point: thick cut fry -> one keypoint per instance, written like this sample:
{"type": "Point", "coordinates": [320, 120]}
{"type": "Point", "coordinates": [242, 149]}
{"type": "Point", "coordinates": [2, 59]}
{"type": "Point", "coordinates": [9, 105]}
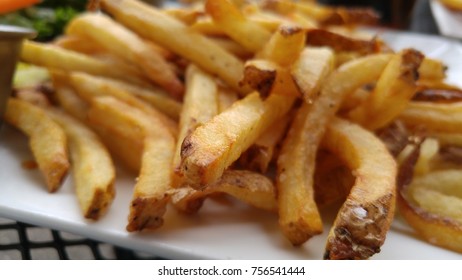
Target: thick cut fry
{"type": "Point", "coordinates": [47, 140]}
{"type": "Point", "coordinates": [312, 67]}
{"type": "Point", "coordinates": [261, 153]}
{"type": "Point", "coordinates": [200, 105]}
{"type": "Point", "coordinates": [127, 45]}
{"type": "Point", "coordinates": [88, 87]}
{"type": "Point", "coordinates": [213, 147]}
{"type": "Point", "coordinates": [67, 98]}
{"type": "Point", "coordinates": [298, 215]}
{"type": "Point", "coordinates": [432, 205]}
{"type": "Point", "coordinates": [151, 23]}
{"type": "Point", "coordinates": [54, 57]}
{"type": "Point", "coordinates": [432, 70]}
{"type": "Point", "coordinates": [230, 19]}
{"type": "Point", "coordinates": [252, 188]}
{"type": "Point", "coordinates": [364, 219]}
{"type": "Point", "coordinates": [299, 218]}
{"type": "Point", "coordinates": [393, 91]}
{"type": "Point", "coordinates": [150, 197]}
{"type": "Point", "coordinates": [341, 43]}
{"type": "Point", "coordinates": [93, 170]}
{"type": "Point", "coordinates": [435, 117]}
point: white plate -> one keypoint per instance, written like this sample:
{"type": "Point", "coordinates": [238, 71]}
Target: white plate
{"type": "Point", "coordinates": [218, 231]}
{"type": "Point", "coordinates": [449, 21]}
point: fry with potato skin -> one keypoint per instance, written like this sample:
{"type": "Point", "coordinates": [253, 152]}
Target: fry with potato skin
{"type": "Point", "coordinates": [127, 45]}
{"type": "Point", "coordinates": [230, 19]}
{"type": "Point", "coordinates": [199, 106]}
{"type": "Point", "coordinates": [151, 23]}
{"type": "Point", "coordinates": [214, 146]}
{"type": "Point", "coordinates": [252, 188]}
{"type": "Point", "coordinates": [93, 170]}
{"type": "Point", "coordinates": [57, 58]}
{"type": "Point", "coordinates": [47, 140]}
{"type": "Point", "coordinates": [362, 222]}
{"type": "Point", "coordinates": [393, 91]}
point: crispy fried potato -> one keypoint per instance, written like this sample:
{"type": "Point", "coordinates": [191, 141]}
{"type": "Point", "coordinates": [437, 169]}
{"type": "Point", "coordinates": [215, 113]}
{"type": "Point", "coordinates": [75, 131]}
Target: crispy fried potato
{"type": "Point", "coordinates": [252, 188]}
{"type": "Point", "coordinates": [127, 45]}
{"type": "Point", "coordinates": [92, 167]}
{"type": "Point", "coordinates": [57, 58]}
{"type": "Point", "coordinates": [432, 70]}
{"type": "Point", "coordinates": [67, 97]}
{"type": "Point", "coordinates": [341, 43]}
{"type": "Point", "coordinates": [88, 87]}
{"type": "Point", "coordinates": [259, 156]}
{"type": "Point", "coordinates": [151, 23]}
{"type": "Point", "coordinates": [80, 44]}
{"type": "Point", "coordinates": [230, 19]}
{"type": "Point", "coordinates": [432, 205]}
{"type": "Point", "coordinates": [150, 197]}
{"type": "Point", "coordinates": [47, 140]}
{"type": "Point", "coordinates": [312, 67]}
{"type": "Point", "coordinates": [298, 215]}
{"type": "Point", "coordinates": [199, 106]}
{"type": "Point", "coordinates": [393, 91]}
{"type": "Point", "coordinates": [213, 147]}
{"type": "Point", "coordinates": [437, 117]}
{"type": "Point", "coordinates": [361, 225]}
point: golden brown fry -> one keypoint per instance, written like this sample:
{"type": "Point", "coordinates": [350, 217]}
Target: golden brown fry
{"type": "Point", "coordinates": [200, 105]}
{"type": "Point", "coordinates": [47, 140]}
{"type": "Point", "coordinates": [213, 147]}
{"type": "Point", "coordinates": [261, 153]}
{"type": "Point", "coordinates": [432, 70]}
{"type": "Point", "coordinates": [57, 58]}
{"type": "Point", "coordinates": [88, 87]}
{"type": "Point", "coordinates": [341, 43]}
{"type": "Point", "coordinates": [432, 205]}
{"type": "Point", "coordinates": [80, 44]}
{"type": "Point", "coordinates": [93, 170]}
{"type": "Point", "coordinates": [127, 45]}
{"type": "Point", "coordinates": [312, 67]}
{"type": "Point", "coordinates": [437, 117]}
{"type": "Point", "coordinates": [252, 188]}
{"type": "Point", "coordinates": [231, 20]}
{"type": "Point", "coordinates": [393, 91]}
{"type": "Point", "coordinates": [150, 194]}
{"type": "Point", "coordinates": [362, 222]}
{"type": "Point", "coordinates": [150, 197]}
{"type": "Point", "coordinates": [151, 23]}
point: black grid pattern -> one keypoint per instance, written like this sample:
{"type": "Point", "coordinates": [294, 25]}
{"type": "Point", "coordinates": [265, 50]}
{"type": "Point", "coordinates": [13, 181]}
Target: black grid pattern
{"type": "Point", "coordinates": [27, 242]}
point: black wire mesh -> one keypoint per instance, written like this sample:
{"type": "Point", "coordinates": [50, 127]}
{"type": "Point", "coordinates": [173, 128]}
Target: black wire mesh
{"type": "Point", "coordinates": [27, 242]}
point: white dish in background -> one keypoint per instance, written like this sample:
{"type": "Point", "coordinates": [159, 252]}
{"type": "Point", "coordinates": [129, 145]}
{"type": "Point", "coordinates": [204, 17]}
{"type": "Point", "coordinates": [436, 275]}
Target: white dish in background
{"type": "Point", "coordinates": [449, 21]}
{"type": "Point", "coordinates": [218, 231]}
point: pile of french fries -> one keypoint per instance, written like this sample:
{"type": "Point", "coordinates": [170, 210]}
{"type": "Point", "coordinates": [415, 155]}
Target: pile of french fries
{"type": "Point", "coordinates": [281, 104]}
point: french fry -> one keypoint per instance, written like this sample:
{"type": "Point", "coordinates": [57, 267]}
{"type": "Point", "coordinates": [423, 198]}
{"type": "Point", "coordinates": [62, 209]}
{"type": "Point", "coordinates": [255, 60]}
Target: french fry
{"type": "Point", "coordinates": [438, 117]}
{"type": "Point", "coordinates": [150, 197]}
{"type": "Point", "coordinates": [67, 98]}
{"type": "Point", "coordinates": [93, 170]}
{"type": "Point", "coordinates": [57, 58]}
{"type": "Point", "coordinates": [199, 106]}
{"type": "Point", "coordinates": [362, 222]}
{"type": "Point", "coordinates": [432, 70]}
{"type": "Point", "coordinates": [261, 153]}
{"type": "Point", "coordinates": [252, 188]}
{"type": "Point", "coordinates": [432, 204]}
{"type": "Point", "coordinates": [151, 23]}
{"type": "Point", "coordinates": [78, 44]}
{"type": "Point", "coordinates": [299, 218]}
{"type": "Point", "coordinates": [88, 87]}
{"type": "Point", "coordinates": [47, 140]}
{"type": "Point", "coordinates": [231, 20]}
{"type": "Point", "coordinates": [214, 146]}
{"type": "Point", "coordinates": [393, 91]}
{"type": "Point", "coordinates": [313, 66]}
{"type": "Point", "coordinates": [127, 45]}
{"type": "Point", "coordinates": [226, 98]}
{"type": "Point", "coordinates": [341, 43]}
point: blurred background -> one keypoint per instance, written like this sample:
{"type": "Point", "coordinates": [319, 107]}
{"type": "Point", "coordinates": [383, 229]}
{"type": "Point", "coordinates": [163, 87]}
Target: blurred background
{"type": "Point", "coordinates": [50, 16]}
